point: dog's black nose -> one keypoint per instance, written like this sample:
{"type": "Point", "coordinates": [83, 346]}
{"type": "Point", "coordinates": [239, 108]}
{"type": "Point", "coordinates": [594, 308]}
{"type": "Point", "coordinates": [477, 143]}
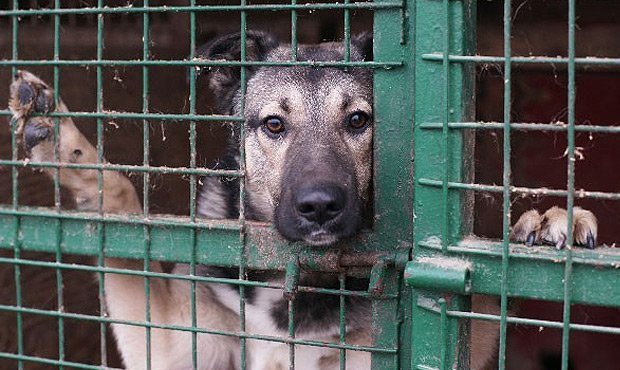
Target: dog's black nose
{"type": "Point", "coordinates": [320, 204]}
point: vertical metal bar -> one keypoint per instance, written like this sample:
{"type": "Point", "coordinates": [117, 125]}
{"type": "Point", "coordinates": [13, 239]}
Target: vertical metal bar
{"type": "Point", "coordinates": [347, 32]}
{"type": "Point", "coordinates": [146, 185]}
{"type": "Point", "coordinates": [101, 225]}
{"type": "Point", "coordinates": [242, 236]}
{"type": "Point", "coordinates": [342, 318]}
{"type": "Point", "coordinates": [293, 32]}
{"type": "Point", "coordinates": [59, 225]}
{"type": "Point", "coordinates": [443, 325]}
{"type": "Point", "coordinates": [192, 183]}
{"type": "Point", "coordinates": [445, 137]}
{"type": "Point", "coordinates": [570, 187]}
{"type": "Point", "coordinates": [15, 205]}
{"type": "Point", "coordinates": [506, 185]}
{"type": "Point", "coordinates": [291, 334]}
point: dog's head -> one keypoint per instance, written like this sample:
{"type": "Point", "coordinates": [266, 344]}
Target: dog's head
{"type": "Point", "coordinates": [308, 137]}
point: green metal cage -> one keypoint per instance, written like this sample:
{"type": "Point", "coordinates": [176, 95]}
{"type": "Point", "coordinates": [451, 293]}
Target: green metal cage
{"type": "Point", "coordinates": [422, 263]}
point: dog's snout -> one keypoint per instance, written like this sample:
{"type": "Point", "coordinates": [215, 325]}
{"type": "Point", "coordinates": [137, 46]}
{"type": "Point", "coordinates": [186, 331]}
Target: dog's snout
{"type": "Point", "coordinates": [320, 204]}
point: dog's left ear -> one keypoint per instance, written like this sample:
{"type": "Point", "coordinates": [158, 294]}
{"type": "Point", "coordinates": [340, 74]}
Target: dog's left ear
{"type": "Point", "coordinates": [363, 43]}
{"type": "Point", "coordinates": [224, 81]}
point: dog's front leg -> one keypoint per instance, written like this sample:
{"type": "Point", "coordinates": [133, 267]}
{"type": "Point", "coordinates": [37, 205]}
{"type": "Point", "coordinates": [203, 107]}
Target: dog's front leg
{"type": "Point", "coordinates": [125, 297]}
{"type": "Point", "coordinates": [169, 301]}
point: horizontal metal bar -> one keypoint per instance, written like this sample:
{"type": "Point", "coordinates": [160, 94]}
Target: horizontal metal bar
{"type": "Point", "coordinates": [587, 61]}
{"type": "Point", "coordinates": [579, 193]}
{"type": "Point", "coordinates": [152, 220]}
{"type": "Point", "coordinates": [108, 320]}
{"type": "Point", "coordinates": [601, 257]}
{"type": "Point", "coordinates": [603, 329]}
{"type": "Point", "coordinates": [217, 241]}
{"type": "Point", "coordinates": [54, 362]}
{"type": "Point", "coordinates": [137, 116]}
{"type": "Point", "coordinates": [162, 170]}
{"type": "Point", "coordinates": [537, 322]}
{"type": "Point", "coordinates": [195, 63]}
{"type": "Point", "coordinates": [203, 8]}
{"type": "Point", "coordinates": [522, 126]}
{"type": "Point", "coordinates": [591, 269]}
{"type": "Point", "coordinates": [171, 276]}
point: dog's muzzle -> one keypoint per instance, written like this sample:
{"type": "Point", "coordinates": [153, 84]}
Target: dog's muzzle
{"type": "Point", "coordinates": [318, 213]}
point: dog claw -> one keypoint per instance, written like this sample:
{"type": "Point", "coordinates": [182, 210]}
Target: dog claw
{"type": "Point", "coordinates": [34, 134]}
{"type": "Point", "coordinates": [590, 241]}
{"type": "Point", "coordinates": [561, 242]}
{"type": "Point", "coordinates": [531, 239]}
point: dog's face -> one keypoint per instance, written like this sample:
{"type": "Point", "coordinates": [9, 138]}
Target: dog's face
{"type": "Point", "coordinates": [308, 138]}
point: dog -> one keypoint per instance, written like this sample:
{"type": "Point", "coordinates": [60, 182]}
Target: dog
{"type": "Point", "coordinates": [308, 145]}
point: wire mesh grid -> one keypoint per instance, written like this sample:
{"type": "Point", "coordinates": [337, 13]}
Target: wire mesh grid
{"type": "Point", "coordinates": [443, 137]}
{"type": "Point", "coordinates": [148, 237]}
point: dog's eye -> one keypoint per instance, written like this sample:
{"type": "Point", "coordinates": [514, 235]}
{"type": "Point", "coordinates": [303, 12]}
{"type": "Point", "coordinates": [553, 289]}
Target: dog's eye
{"type": "Point", "coordinates": [358, 120]}
{"type": "Point", "coordinates": [274, 125]}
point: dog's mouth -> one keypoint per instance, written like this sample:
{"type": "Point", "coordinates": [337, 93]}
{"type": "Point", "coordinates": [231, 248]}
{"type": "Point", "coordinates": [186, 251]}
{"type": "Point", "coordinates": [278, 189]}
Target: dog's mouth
{"type": "Point", "coordinates": [320, 238]}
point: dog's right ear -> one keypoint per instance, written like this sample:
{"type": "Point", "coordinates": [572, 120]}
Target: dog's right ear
{"type": "Point", "coordinates": [224, 81]}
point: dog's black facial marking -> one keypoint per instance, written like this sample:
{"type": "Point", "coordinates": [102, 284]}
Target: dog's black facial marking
{"type": "Point", "coordinates": [285, 105]}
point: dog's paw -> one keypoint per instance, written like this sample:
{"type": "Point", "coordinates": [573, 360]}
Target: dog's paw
{"type": "Point", "coordinates": [551, 227]}
{"type": "Point", "coordinates": [28, 95]}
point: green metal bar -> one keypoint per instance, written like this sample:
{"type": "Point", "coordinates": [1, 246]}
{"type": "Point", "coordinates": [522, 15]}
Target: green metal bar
{"type": "Point", "coordinates": [543, 60]}
{"type": "Point", "coordinates": [16, 220]}
{"type": "Point", "coordinates": [506, 178]}
{"type": "Point", "coordinates": [103, 311]}
{"type": "Point", "coordinates": [59, 225]}
{"type": "Point", "coordinates": [58, 363]}
{"type": "Point", "coordinates": [265, 338]}
{"type": "Point", "coordinates": [443, 154]}
{"type": "Point", "coordinates": [291, 285]}
{"type": "Point", "coordinates": [243, 7]}
{"type": "Point", "coordinates": [173, 118]}
{"type": "Point", "coordinates": [242, 195]}
{"type": "Point", "coordinates": [393, 169]}
{"type": "Point", "coordinates": [347, 32]}
{"type": "Point", "coordinates": [146, 183]}
{"type": "Point", "coordinates": [161, 220]}
{"type": "Point", "coordinates": [294, 32]}
{"type": "Point", "coordinates": [170, 276]}
{"type": "Point", "coordinates": [192, 183]}
{"type": "Point", "coordinates": [580, 193]}
{"type": "Point", "coordinates": [444, 274]}
{"type": "Point", "coordinates": [445, 139]}
{"type": "Point", "coordinates": [533, 322]}
{"type": "Point", "coordinates": [125, 168]}
{"type": "Point", "coordinates": [197, 63]}
{"type": "Point", "coordinates": [602, 257]}
{"type": "Point", "coordinates": [570, 186]}
{"type": "Point", "coordinates": [342, 319]}
{"type": "Point", "coordinates": [589, 267]}
{"type": "Point", "coordinates": [443, 329]}
{"type": "Point", "coordinates": [607, 129]}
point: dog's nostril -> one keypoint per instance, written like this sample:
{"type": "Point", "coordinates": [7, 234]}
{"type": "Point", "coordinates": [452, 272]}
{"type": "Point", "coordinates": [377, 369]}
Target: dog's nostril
{"type": "Point", "coordinates": [305, 208]}
{"type": "Point", "coordinates": [320, 204]}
